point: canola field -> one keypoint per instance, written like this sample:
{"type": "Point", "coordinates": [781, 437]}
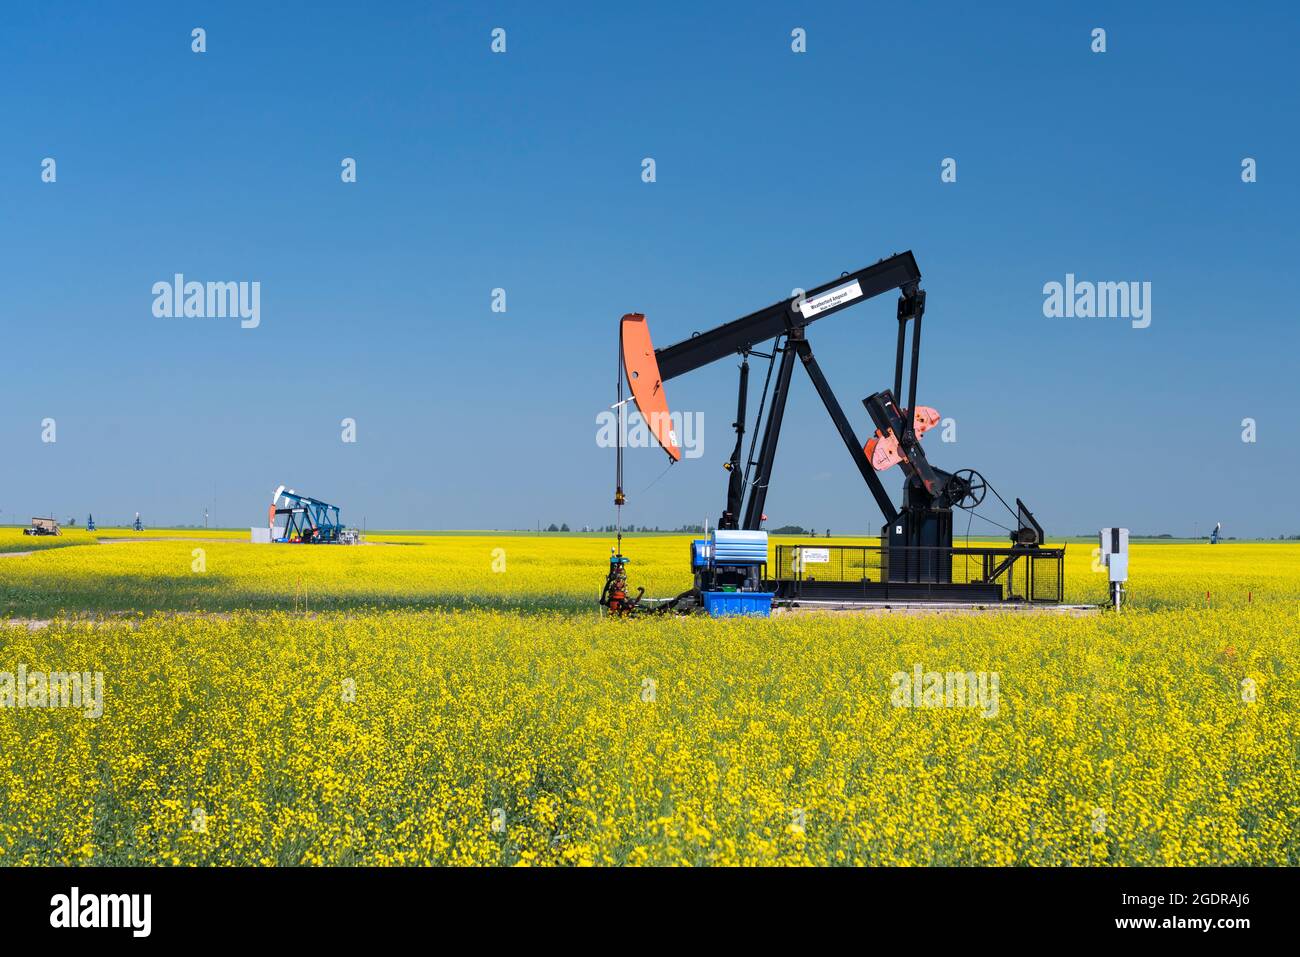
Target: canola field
{"type": "Point", "coordinates": [458, 700]}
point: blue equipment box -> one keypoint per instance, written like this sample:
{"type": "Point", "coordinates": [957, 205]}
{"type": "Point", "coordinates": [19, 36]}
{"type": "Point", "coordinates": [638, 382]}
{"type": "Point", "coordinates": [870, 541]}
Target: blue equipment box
{"type": "Point", "coordinates": [720, 603]}
{"type": "Point", "coordinates": [733, 547]}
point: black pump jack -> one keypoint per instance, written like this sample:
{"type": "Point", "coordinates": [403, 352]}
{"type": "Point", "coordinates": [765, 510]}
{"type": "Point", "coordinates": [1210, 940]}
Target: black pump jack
{"type": "Point", "coordinates": [929, 493]}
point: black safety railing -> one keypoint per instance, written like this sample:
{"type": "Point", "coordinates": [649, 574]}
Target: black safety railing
{"type": "Point", "coordinates": [873, 572]}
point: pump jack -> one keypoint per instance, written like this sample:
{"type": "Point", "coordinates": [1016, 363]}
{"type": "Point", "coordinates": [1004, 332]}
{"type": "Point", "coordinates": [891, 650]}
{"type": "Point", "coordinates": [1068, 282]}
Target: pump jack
{"type": "Point", "coordinates": [916, 538]}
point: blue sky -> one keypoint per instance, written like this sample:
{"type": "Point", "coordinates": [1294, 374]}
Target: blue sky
{"type": "Point", "coordinates": [522, 171]}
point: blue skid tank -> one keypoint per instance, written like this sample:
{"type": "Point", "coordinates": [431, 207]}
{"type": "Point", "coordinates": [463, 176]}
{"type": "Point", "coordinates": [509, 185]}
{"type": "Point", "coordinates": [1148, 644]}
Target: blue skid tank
{"type": "Point", "coordinates": [740, 555]}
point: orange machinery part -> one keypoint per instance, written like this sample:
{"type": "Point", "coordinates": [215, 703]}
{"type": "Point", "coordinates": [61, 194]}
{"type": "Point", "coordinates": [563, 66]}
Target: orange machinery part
{"type": "Point", "coordinates": [883, 450]}
{"type": "Point", "coordinates": [642, 370]}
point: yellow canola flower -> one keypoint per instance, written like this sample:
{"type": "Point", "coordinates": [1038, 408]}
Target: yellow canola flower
{"type": "Point", "coordinates": [426, 709]}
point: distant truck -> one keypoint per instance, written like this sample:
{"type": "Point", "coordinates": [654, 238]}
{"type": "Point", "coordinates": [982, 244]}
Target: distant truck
{"type": "Point", "coordinates": [43, 526]}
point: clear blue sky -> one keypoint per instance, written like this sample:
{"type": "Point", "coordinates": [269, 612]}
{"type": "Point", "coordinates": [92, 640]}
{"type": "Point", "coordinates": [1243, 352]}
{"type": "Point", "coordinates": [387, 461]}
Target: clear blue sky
{"type": "Point", "coordinates": [523, 171]}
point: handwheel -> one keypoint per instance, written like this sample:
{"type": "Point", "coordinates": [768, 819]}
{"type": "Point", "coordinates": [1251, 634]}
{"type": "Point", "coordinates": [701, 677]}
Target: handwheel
{"type": "Point", "coordinates": [970, 488]}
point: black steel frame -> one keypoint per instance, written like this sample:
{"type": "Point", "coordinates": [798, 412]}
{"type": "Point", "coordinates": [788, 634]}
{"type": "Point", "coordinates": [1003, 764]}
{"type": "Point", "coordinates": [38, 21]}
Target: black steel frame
{"type": "Point", "coordinates": [785, 318]}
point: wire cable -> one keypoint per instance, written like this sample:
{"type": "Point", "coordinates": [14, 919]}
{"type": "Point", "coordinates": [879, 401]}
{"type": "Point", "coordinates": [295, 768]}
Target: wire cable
{"type": "Point", "coordinates": [671, 463]}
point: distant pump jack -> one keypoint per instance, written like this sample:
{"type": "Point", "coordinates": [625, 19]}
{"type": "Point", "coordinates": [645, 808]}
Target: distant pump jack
{"type": "Point", "coordinates": [302, 520]}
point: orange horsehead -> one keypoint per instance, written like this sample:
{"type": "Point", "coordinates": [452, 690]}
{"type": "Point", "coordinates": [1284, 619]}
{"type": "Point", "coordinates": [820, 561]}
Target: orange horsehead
{"type": "Point", "coordinates": [647, 386]}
